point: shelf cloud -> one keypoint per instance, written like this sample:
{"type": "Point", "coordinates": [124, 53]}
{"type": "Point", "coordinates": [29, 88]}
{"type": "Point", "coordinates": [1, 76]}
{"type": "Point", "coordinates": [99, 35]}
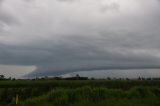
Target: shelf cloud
{"type": "Point", "coordinates": [62, 36]}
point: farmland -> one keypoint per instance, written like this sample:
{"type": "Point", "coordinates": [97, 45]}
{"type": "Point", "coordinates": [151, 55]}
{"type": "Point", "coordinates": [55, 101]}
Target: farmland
{"type": "Point", "coordinates": [80, 93]}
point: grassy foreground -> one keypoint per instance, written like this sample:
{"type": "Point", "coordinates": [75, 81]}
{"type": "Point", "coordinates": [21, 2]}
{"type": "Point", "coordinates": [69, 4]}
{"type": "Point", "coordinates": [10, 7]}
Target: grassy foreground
{"type": "Point", "coordinates": [87, 96]}
{"type": "Point", "coordinates": [80, 93]}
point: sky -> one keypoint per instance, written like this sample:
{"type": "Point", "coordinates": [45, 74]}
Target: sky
{"type": "Point", "coordinates": [54, 37]}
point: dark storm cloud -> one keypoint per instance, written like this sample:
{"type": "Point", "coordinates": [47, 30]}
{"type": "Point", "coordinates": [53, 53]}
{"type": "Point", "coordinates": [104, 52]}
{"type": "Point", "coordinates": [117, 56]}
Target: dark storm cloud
{"type": "Point", "coordinates": [89, 35]}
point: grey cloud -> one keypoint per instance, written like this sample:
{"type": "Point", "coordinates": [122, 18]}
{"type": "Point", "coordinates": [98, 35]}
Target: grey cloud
{"type": "Point", "coordinates": [1, 1]}
{"type": "Point", "coordinates": [66, 0]}
{"type": "Point", "coordinates": [6, 19]}
{"type": "Point", "coordinates": [113, 6]}
{"type": "Point", "coordinates": [86, 55]}
{"type": "Point", "coordinates": [65, 38]}
{"type": "Point", "coordinates": [28, 0]}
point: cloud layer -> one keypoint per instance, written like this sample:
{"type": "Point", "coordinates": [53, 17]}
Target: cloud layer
{"type": "Point", "coordinates": [61, 36]}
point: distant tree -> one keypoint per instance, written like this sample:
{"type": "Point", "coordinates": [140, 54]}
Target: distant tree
{"type": "Point", "coordinates": [108, 78]}
{"type": "Point", "coordinates": [149, 79]}
{"type": "Point", "coordinates": [77, 75]}
{"type": "Point", "coordinates": [2, 77]}
{"type": "Point", "coordinates": [127, 79]}
{"type": "Point", "coordinates": [92, 78]}
{"type": "Point", "coordinates": [45, 77]}
{"type": "Point", "coordinates": [9, 78]}
{"type": "Point", "coordinates": [143, 78]}
{"type": "Point", "coordinates": [120, 78]}
{"type": "Point", "coordinates": [139, 78]}
{"type": "Point", "coordinates": [13, 79]}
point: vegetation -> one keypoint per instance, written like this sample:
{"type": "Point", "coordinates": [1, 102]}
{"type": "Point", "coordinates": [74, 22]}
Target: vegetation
{"type": "Point", "coordinates": [80, 93]}
{"type": "Point", "coordinates": [87, 96]}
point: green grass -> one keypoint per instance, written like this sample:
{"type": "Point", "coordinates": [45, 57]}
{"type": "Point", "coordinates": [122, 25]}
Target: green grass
{"type": "Point", "coordinates": [88, 96]}
{"type": "Point", "coordinates": [80, 93]}
{"type": "Point", "coordinates": [122, 84]}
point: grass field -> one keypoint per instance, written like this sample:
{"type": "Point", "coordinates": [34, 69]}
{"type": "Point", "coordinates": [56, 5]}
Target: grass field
{"type": "Point", "coordinates": [80, 93]}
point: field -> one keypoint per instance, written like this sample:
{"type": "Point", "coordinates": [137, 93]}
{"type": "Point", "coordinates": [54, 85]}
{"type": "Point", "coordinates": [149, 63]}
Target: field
{"type": "Point", "coordinates": [80, 93]}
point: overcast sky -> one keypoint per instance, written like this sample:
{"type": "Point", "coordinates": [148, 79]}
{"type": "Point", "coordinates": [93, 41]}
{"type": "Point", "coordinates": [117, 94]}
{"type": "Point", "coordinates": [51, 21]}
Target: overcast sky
{"type": "Point", "coordinates": [53, 37]}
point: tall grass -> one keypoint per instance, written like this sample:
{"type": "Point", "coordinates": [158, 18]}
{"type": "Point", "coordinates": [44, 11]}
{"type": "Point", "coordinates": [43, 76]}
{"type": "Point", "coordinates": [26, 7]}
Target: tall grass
{"type": "Point", "coordinates": [72, 92]}
{"type": "Point", "coordinates": [89, 96]}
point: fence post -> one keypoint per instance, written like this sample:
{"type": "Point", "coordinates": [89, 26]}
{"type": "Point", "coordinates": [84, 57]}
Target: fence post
{"type": "Point", "coordinates": [17, 99]}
